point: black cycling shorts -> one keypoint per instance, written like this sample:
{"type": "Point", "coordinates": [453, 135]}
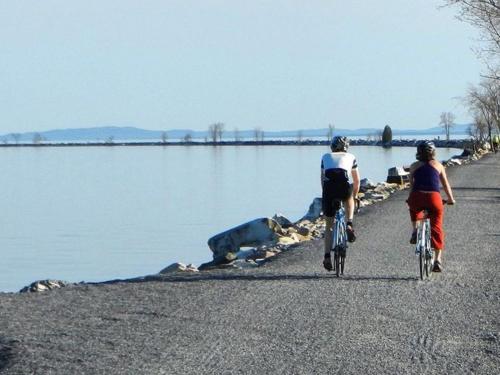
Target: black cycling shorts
{"type": "Point", "coordinates": [334, 191]}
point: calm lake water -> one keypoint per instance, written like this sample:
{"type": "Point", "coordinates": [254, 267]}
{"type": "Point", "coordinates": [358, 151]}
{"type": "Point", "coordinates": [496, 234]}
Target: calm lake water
{"type": "Point", "coordinates": [98, 213]}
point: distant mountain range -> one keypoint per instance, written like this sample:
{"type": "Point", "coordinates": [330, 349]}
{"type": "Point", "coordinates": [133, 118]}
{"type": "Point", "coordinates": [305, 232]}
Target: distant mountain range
{"type": "Point", "coordinates": [115, 133]}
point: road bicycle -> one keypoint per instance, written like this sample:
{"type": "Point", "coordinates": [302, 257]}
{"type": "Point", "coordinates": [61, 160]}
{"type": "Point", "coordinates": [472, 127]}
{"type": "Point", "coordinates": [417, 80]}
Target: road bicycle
{"type": "Point", "coordinates": [339, 238]}
{"type": "Point", "coordinates": [339, 235]}
{"type": "Point", "coordinates": [423, 248]}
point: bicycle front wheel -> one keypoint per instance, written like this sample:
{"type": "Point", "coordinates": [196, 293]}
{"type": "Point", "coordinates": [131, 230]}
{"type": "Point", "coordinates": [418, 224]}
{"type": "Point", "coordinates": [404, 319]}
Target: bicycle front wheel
{"type": "Point", "coordinates": [421, 260]}
{"type": "Point", "coordinates": [342, 262]}
{"type": "Point", "coordinates": [428, 249]}
{"type": "Point", "coordinates": [337, 261]}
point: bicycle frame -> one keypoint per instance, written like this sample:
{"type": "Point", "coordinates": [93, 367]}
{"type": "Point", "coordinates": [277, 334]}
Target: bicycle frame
{"type": "Point", "coordinates": [339, 229]}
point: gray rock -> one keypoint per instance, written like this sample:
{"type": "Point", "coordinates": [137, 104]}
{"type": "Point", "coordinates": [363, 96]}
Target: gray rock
{"type": "Point", "coordinates": [43, 285]}
{"type": "Point", "coordinates": [365, 184]}
{"type": "Point", "coordinates": [397, 175]}
{"type": "Point", "coordinates": [303, 231]}
{"type": "Point", "coordinates": [179, 267]}
{"type": "Point", "coordinates": [253, 233]}
{"type": "Point", "coordinates": [219, 262]}
{"type": "Point", "coordinates": [314, 211]}
{"type": "Point", "coordinates": [375, 196]}
{"type": "Point", "coordinates": [282, 221]}
{"type": "Point", "coordinates": [397, 171]}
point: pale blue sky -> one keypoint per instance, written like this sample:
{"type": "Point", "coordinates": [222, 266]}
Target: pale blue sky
{"type": "Point", "coordinates": [273, 64]}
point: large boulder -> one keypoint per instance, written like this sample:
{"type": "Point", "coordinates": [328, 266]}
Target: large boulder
{"type": "Point", "coordinates": [365, 185]}
{"type": "Point", "coordinates": [251, 234]}
{"type": "Point", "coordinates": [314, 211]}
{"type": "Point", "coordinates": [397, 175]}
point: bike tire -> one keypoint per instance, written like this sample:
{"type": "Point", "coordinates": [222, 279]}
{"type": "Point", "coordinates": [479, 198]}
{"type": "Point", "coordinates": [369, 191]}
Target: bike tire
{"type": "Point", "coordinates": [428, 250]}
{"type": "Point", "coordinates": [337, 262]}
{"type": "Point", "coordinates": [421, 260]}
{"type": "Point", "coordinates": [342, 263]}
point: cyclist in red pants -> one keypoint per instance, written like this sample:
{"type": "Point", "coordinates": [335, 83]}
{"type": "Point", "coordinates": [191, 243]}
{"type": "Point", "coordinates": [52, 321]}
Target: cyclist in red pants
{"type": "Point", "coordinates": [426, 174]}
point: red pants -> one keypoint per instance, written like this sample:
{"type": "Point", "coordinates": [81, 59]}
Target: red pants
{"type": "Point", "coordinates": [433, 203]}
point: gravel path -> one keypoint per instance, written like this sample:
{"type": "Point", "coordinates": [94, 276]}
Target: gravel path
{"type": "Point", "coordinates": [289, 316]}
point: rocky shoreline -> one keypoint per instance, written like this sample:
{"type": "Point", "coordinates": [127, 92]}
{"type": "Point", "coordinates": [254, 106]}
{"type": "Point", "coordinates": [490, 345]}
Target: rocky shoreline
{"type": "Point", "coordinates": [256, 242]}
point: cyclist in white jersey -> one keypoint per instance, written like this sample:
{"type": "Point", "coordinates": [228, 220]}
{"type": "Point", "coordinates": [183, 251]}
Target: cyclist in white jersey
{"type": "Point", "coordinates": [336, 167]}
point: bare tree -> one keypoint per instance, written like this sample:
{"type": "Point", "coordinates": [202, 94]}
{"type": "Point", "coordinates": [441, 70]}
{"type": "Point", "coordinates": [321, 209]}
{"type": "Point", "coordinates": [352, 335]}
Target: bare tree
{"type": "Point", "coordinates": [188, 137]}
{"type": "Point", "coordinates": [212, 133]}
{"type": "Point", "coordinates": [447, 122]}
{"type": "Point", "coordinates": [16, 137]}
{"type": "Point", "coordinates": [300, 135]}
{"type": "Point", "coordinates": [485, 16]}
{"type": "Point", "coordinates": [37, 139]}
{"type": "Point", "coordinates": [220, 131]}
{"type": "Point", "coordinates": [110, 140]}
{"type": "Point", "coordinates": [215, 131]}
{"type": "Point", "coordinates": [329, 133]}
{"type": "Point", "coordinates": [164, 137]}
{"type": "Point", "coordinates": [479, 129]}
{"type": "Point", "coordinates": [484, 101]}
{"type": "Point", "coordinates": [258, 135]}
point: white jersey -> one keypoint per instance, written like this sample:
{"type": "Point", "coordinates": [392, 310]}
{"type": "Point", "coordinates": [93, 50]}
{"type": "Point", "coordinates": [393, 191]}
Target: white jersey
{"type": "Point", "coordinates": [338, 160]}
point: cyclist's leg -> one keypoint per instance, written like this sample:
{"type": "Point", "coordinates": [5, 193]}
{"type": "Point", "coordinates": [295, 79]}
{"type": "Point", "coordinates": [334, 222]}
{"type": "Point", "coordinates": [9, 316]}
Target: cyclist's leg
{"type": "Point", "coordinates": [328, 213]}
{"type": "Point", "coordinates": [328, 234]}
{"type": "Point", "coordinates": [415, 206]}
{"type": "Point", "coordinates": [349, 210]}
{"type": "Point", "coordinates": [437, 233]}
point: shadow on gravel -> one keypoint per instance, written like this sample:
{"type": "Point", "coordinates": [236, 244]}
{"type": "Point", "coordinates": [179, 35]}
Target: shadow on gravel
{"type": "Point", "coordinates": [7, 352]}
{"type": "Point", "coordinates": [476, 188]}
{"type": "Point", "coordinates": [261, 277]}
{"type": "Point", "coordinates": [487, 199]}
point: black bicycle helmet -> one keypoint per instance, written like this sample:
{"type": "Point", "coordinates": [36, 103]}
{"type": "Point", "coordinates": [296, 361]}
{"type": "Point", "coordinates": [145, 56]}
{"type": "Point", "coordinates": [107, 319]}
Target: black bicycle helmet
{"type": "Point", "coordinates": [425, 150]}
{"type": "Point", "coordinates": [339, 144]}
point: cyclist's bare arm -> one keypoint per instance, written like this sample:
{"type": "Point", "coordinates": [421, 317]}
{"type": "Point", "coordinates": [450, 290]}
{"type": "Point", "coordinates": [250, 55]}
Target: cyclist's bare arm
{"type": "Point", "coordinates": [446, 185]}
{"type": "Point", "coordinates": [355, 182]}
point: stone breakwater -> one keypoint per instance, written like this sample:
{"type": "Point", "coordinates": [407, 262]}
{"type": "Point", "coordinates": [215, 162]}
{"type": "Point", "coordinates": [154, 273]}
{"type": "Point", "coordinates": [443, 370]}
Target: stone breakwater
{"type": "Point", "coordinates": [258, 241]}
